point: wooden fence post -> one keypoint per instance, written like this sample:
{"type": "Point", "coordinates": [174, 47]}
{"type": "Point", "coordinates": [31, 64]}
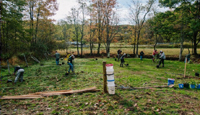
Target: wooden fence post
{"type": "Point", "coordinates": [104, 78]}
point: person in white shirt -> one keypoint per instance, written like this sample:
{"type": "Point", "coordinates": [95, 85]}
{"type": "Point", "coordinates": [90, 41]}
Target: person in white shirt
{"type": "Point", "coordinates": [162, 58]}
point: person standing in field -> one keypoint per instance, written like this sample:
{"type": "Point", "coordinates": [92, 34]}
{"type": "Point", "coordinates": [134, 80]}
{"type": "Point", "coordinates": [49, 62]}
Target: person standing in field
{"type": "Point", "coordinates": [57, 55]}
{"type": "Point", "coordinates": [70, 64]}
{"type": "Point", "coordinates": [187, 57]}
{"type": "Point", "coordinates": [155, 55]}
{"type": "Point", "coordinates": [122, 59]}
{"type": "Point", "coordinates": [73, 57]}
{"type": "Point", "coordinates": [20, 72]}
{"type": "Point", "coordinates": [162, 58]}
{"type": "Point", "coordinates": [141, 55]}
{"type": "Point", "coordinates": [118, 54]}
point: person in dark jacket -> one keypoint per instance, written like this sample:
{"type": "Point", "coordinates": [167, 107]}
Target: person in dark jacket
{"type": "Point", "coordinates": [57, 55]}
{"type": "Point", "coordinates": [119, 53]}
{"type": "Point", "coordinates": [19, 73]}
{"type": "Point", "coordinates": [122, 59]}
{"type": "Point", "coordinates": [187, 57]}
{"type": "Point", "coordinates": [70, 64]}
{"type": "Point", "coordinates": [141, 55]}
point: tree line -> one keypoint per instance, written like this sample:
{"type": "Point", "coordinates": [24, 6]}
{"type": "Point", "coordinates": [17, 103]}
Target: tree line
{"type": "Point", "coordinates": [26, 25]}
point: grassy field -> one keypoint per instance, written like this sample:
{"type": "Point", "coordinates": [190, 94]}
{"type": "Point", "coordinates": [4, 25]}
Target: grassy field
{"type": "Point", "coordinates": [147, 51]}
{"type": "Point", "coordinates": [88, 74]}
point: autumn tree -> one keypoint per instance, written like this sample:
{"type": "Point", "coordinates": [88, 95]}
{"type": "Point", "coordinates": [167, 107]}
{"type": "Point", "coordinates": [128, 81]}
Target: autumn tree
{"type": "Point", "coordinates": [98, 7]}
{"type": "Point", "coordinates": [83, 8]}
{"type": "Point", "coordinates": [91, 29]}
{"type": "Point", "coordinates": [193, 20]}
{"type": "Point", "coordinates": [75, 21]}
{"type": "Point", "coordinates": [13, 32]}
{"type": "Point", "coordinates": [0, 29]}
{"type": "Point", "coordinates": [39, 12]}
{"type": "Point", "coordinates": [138, 13]}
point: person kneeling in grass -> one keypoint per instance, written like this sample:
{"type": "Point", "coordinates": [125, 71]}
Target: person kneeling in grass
{"type": "Point", "coordinates": [20, 72]}
{"type": "Point", "coordinates": [70, 64]}
{"type": "Point", "coordinates": [122, 60]}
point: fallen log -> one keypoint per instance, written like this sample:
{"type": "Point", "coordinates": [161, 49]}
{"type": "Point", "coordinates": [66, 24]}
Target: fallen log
{"type": "Point", "coordinates": [22, 97]}
{"type": "Point", "coordinates": [50, 93]}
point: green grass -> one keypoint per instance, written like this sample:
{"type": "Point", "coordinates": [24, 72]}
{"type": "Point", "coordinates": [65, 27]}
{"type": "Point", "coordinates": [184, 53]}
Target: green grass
{"type": "Point", "coordinates": [88, 74]}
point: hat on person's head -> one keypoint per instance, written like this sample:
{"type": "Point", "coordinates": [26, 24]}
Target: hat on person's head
{"type": "Point", "coordinates": [161, 51]}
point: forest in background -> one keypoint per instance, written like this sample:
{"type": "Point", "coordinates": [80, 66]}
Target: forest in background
{"type": "Point", "coordinates": [27, 27]}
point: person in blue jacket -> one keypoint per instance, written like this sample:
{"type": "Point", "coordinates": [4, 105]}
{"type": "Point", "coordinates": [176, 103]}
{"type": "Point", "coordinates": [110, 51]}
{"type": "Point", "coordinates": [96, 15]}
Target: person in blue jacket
{"type": "Point", "coordinates": [70, 64]}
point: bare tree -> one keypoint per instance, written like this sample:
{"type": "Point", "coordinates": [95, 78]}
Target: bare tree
{"type": "Point", "coordinates": [111, 23]}
{"type": "Point", "coordinates": [92, 30]}
{"type": "Point", "coordinates": [138, 13]}
{"type": "Point", "coordinates": [74, 17]}
{"type": "Point", "coordinates": [83, 9]}
{"type": "Point", "coordinates": [98, 7]}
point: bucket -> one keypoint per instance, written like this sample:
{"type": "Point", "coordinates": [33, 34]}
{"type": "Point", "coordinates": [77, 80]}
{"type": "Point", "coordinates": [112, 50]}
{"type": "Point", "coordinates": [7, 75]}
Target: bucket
{"type": "Point", "coordinates": [110, 82]}
{"type": "Point", "coordinates": [186, 85]}
{"type": "Point", "coordinates": [111, 89]}
{"type": "Point", "coordinates": [109, 67]}
{"type": "Point", "coordinates": [110, 71]}
{"type": "Point", "coordinates": [170, 81]}
{"type": "Point", "coordinates": [192, 86]}
{"type": "Point", "coordinates": [181, 86]}
{"type": "Point", "coordinates": [198, 86]}
{"type": "Point", "coordinates": [110, 77]}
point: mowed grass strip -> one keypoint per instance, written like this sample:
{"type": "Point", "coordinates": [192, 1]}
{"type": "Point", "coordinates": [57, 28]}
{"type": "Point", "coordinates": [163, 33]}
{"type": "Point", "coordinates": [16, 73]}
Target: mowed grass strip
{"type": "Point", "coordinates": [89, 73]}
{"type": "Point", "coordinates": [147, 51]}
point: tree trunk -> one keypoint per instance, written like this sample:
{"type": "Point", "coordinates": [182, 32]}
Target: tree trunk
{"type": "Point", "coordinates": [77, 47]}
{"type": "Point", "coordinates": [98, 50]}
{"type": "Point", "coordinates": [181, 47]}
{"type": "Point", "coordinates": [155, 42]}
{"type": "Point", "coordinates": [195, 42]}
{"type": "Point", "coordinates": [7, 37]}
{"type": "Point", "coordinates": [36, 29]}
{"type": "Point", "coordinates": [137, 43]}
{"type": "Point", "coordinates": [81, 46]}
{"type": "Point", "coordinates": [192, 47]}
{"type": "Point", "coordinates": [8, 66]}
{"type": "Point", "coordinates": [90, 47]}
{"type": "Point", "coordinates": [0, 31]}
{"type": "Point", "coordinates": [108, 49]}
{"type": "Point", "coordinates": [134, 49]}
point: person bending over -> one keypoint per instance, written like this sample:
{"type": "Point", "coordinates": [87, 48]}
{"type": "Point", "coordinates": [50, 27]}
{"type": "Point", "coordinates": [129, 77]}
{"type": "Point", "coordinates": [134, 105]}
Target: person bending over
{"type": "Point", "coordinates": [122, 59]}
{"type": "Point", "coordinates": [19, 73]}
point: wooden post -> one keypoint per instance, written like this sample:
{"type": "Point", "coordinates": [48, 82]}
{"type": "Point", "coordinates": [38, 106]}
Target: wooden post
{"type": "Point", "coordinates": [185, 66]}
{"type": "Point", "coordinates": [104, 78]}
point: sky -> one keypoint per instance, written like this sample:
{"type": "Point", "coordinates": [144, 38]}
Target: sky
{"type": "Point", "coordinates": [64, 7]}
